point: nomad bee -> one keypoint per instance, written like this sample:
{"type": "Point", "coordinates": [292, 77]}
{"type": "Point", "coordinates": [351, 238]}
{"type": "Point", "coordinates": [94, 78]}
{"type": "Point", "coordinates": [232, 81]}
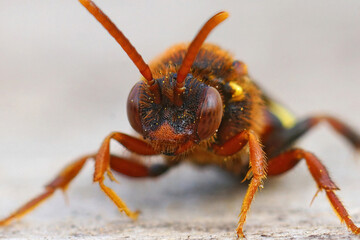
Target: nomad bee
{"type": "Point", "coordinates": [197, 103]}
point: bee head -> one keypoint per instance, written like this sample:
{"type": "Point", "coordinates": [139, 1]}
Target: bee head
{"type": "Point", "coordinates": [167, 125]}
{"type": "Point", "coordinates": [172, 112]}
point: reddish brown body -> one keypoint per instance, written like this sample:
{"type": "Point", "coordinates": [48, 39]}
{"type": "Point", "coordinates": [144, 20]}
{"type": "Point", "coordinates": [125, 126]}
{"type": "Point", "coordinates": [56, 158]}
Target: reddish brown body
{"type": "Point", "coordinates": [197, 103]}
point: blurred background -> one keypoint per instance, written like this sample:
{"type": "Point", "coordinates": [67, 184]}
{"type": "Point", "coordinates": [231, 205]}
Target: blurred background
{"type": "Point", "coordinates": [63, 87]}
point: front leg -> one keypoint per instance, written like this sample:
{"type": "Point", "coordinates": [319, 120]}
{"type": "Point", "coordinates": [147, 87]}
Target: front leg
{"type": "Point", "coordinates": [102, 165]}
{"type": "Point", "coordinates": [257, 167]}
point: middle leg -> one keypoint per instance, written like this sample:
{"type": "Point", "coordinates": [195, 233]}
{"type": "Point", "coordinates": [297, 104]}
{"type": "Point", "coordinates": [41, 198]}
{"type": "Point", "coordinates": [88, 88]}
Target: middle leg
{"type": "Point", "coordinates": [103, 163]}
{"type": "Point", "coordinates": [132, 168]}
{"type": "Point", "coordinates": [126, 166]}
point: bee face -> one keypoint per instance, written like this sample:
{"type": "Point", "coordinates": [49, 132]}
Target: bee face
{"type": "Point", "coordinates": [196, 119]}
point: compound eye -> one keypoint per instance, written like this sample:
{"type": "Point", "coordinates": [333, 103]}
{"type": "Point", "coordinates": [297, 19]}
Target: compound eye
{"type": "Point", "coordinates": [133, 108]}
{"type": "Point", "coordinates": [210, 114]}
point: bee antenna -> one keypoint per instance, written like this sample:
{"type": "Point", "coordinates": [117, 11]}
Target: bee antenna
{"type": "Point", "coordinates": [125, 44]}
{"type": "Point", "coordinates": [192, 53]}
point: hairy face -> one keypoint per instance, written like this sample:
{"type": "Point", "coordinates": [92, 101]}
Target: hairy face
{"type": "Point", "coordinates": [168, 126]}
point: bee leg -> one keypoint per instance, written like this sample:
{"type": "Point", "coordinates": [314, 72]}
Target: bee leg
{"type": "Point", "coordinates": [102, 165]}
{"type": "Point", "coordinates": [287, 160]}
{"type": "Point", "coordinates": [283, 139]}
{"type": "Point", "coordinates": [131, 168]}
{"type": "Point", "coordinates": [103, 162]}
{"type": "Point", "coordinates": [257, 168]}
{"type": "Point", "coordinates": [61, 181]}
{"type": "Point", "coordinates": [128, 167]}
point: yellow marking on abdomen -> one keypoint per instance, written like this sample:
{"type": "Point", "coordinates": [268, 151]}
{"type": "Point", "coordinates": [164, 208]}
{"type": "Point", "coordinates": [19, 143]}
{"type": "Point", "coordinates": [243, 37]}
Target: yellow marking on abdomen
{"type": "Point", "coordinates": [285, 117]}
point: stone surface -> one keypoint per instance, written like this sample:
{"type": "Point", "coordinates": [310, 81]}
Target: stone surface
{"type": "Point", "coordinates": [187, 203]}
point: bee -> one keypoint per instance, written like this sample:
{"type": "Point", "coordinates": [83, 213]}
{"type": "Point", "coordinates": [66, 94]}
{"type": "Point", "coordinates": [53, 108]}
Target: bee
{"type": "Point", "coordinates": [197, 103]}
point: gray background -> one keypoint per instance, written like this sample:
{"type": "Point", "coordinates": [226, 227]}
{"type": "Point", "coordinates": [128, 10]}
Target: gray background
{"type": "Point", "coordinates": [63, 87]}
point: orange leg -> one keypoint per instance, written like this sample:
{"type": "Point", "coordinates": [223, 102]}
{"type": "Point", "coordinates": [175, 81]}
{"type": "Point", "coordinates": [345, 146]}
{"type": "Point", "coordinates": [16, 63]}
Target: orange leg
{"type": "Point", "coordinates": [340, 127]}
{"type": "Point", "coordinates": [283, 139]}
{"type": "Point", "coordinates": [61, 181]}
{"type": "Point", "coordinates": [257, 168]}
{"type": "Point", "coordinates": [102, 165]}
{"type": "Point", "coordinates": [289, 159]}
{"type": "Point", "coordinates": [131, 168]}
{"type": "Point", "coordinates": [103, 162]}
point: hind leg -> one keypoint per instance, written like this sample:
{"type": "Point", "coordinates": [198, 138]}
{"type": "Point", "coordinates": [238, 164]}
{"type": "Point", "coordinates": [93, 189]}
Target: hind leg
{"type": "Point", "coordinates": [281, 140]}
{"type": "Point", "coordinates": [287, 160]}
